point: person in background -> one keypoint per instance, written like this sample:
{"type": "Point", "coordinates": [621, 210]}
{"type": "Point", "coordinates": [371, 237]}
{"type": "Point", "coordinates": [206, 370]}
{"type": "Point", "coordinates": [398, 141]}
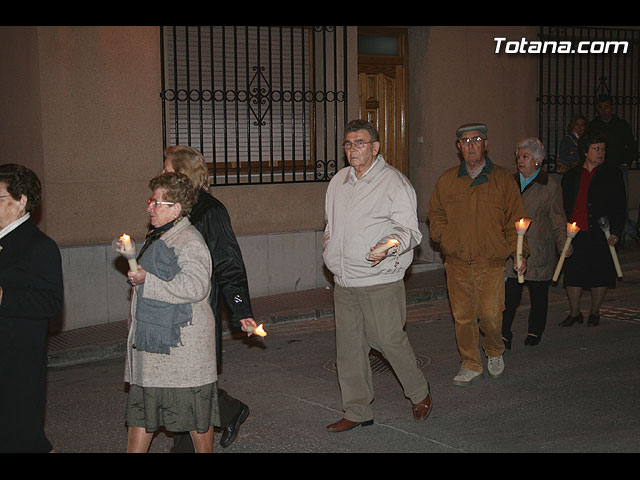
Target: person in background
{"type": "Point", "coordinates": [171, 359]}
{"type": "Point", "coordinates": [547, 233]}
{"type": "Point", "coordinates": [229, 284]}
{"type": "Point", "coordinates": [369, 204]}
{"type": "Point", "coordinates": [472, 215]}
{"type": "Point", "coordinates": [622, 151]}
{"type": "Point", "coordinates": [31, 293]}
{"type": "Point", "coordinates": [590, 191]}
{"type": "Point", "coordinates": [569, 154]}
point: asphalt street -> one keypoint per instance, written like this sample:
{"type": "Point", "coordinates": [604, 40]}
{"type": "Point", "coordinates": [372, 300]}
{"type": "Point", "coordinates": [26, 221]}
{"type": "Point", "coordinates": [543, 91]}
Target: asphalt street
{"type": "Point", "coordinates": [577, 391]}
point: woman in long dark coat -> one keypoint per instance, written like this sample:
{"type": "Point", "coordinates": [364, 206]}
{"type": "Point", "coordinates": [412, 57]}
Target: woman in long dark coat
{"type": "Point", "coordinates": [229, 284]}
{"type": "Point", "coordinates": [590, 191]}
{"type": "Point", "coordinates": [30, 294]}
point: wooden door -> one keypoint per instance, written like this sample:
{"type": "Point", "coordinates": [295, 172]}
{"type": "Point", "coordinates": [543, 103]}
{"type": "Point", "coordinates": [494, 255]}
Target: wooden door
{"type": "Point", "coordinates": [383, 96]}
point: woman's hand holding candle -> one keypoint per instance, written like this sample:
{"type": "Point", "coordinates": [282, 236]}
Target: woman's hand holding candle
{"type": "Point", "coordinates": [603, 222]}
{"type": "Point", "coordinates": [137, 276]}
{"type": "Point", "coordinates": [125, 247]}
{"type": "Point", "coordinates": [249, 326]}
{"type": "Point", "coordinates": [572, 231]}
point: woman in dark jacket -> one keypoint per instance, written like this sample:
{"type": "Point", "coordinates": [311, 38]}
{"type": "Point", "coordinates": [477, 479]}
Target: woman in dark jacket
{"type": "Point", "coordinates": [590, 191]}
{"type": "Point", "coordinates": [30, 294]}
{"type": "Point", "coordinates": [229, 280]}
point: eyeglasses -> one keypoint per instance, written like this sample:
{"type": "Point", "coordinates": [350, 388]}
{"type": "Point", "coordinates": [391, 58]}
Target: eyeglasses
{"type": "Point", "coordinates": [357, 144]}
{"type": "Point", "coordinates": [472, 140]}
{"type": "Point", "coordinates": [154, 203]}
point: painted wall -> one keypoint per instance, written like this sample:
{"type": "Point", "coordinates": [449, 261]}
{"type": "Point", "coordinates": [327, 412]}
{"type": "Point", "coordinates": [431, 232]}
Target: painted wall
{"type": "Point", "coordinates": [81, 107]}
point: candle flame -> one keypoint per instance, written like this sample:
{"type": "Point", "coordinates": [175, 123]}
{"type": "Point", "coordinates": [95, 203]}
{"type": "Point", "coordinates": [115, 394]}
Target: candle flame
{"type": "Point", "coordinates": [522, 225]}
{"type": "Point", "coordinates": [259, 330]}
{"type": "Point", "coordinates": [393, 242]}
{"type": "Point", "coordinates": [125, 237]}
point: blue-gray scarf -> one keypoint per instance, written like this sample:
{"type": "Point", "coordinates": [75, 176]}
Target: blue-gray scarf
{"type": "Point", "coordinates": [159, 323]}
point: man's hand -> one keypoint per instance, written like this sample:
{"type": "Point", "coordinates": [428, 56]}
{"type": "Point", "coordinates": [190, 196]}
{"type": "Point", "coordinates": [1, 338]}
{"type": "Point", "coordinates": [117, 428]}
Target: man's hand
{"type": "Point", "coordinates": [376, 258]}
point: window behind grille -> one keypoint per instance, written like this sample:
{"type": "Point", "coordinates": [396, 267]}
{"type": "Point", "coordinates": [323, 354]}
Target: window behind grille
{"type": "Point", "coordinates": [263, 104]}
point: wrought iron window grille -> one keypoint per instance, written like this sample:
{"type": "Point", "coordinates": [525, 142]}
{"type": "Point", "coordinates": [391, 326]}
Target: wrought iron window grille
{"type": "Point", "coordinates": [263, 104]}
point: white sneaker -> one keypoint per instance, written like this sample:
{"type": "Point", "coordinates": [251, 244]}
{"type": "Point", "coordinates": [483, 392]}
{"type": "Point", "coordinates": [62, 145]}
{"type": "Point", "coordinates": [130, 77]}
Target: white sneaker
{"type": "Point", "coordinates": [495, 366]}
{"type": "Point", "coordinates": [466, 377]}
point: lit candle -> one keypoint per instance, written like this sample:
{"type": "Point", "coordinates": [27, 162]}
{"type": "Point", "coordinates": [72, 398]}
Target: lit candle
{"type": "Point", "coordinates": [521, 228]}
{"type": "Point", "coordinates": [603, 222]}
{"type": "Point", "coordinates": [128, 250]}
{"type": "Point", "coordinates": [572, 231]}
{"type": "Point", "coordinates": [259, 330]}
{"type": "Point", "coordinates": [384, 247]}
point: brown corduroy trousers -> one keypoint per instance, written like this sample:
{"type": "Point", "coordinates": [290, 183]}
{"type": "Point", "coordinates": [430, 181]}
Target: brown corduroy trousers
{"type": "Point", "coordinates": [476, 294]}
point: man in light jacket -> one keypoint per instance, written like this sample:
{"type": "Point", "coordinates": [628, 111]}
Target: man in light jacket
{"type": "Point", "coordinates": [369, 206]}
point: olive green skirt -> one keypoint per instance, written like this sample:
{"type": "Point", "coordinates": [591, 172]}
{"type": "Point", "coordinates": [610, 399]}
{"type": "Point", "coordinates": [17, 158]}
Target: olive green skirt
{"type": "Point", "coordinates": [175, 409]}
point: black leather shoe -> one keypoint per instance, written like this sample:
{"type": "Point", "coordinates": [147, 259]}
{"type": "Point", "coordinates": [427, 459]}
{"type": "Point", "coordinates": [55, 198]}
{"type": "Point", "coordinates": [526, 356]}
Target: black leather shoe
{"type": "Point", "coordinates": [567, 322]}
{"type": "Point", "coordinates": [594, 321]}
{"type": "Point", "coordinates": [532, 340]}
{"type": "Point", "coordinates": [230, 432]}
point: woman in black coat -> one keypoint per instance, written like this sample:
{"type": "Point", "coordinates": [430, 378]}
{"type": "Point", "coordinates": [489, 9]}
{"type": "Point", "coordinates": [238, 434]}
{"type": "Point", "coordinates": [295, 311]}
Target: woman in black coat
{"type": "Point", "coordinates": [30, 294]}
{"type": "Point", "coordinates": [592, 190]}
{"type": "Point", "coordinates": [229, 283]}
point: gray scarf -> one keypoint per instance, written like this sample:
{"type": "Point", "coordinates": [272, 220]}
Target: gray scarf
{"type": "Point", "coordinates": [159, 323]}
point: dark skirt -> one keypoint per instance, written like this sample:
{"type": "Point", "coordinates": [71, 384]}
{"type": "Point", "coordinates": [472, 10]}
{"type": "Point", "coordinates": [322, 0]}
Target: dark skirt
{"type": "Point", "coordinates": [175, 409]}
{"type": "Point", "coordinates": [591, 264]}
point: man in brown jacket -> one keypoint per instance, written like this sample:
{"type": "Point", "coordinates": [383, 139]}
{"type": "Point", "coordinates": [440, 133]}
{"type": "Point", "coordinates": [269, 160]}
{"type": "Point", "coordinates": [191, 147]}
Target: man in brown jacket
{"type": "Point", "coordinates": [472, 215]}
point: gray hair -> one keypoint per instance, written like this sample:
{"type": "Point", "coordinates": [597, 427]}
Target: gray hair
{"type": "Point", "coordinates": [355, 125]}
{"type": "Point", "coordinates": [534, 145]}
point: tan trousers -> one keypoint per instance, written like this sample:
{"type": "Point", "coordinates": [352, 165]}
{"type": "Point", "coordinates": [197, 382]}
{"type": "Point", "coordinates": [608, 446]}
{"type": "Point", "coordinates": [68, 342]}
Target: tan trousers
{"type": "Point", "coordinates": [373, 317]}
{"type": "Point", "coordinates": [476, 294]}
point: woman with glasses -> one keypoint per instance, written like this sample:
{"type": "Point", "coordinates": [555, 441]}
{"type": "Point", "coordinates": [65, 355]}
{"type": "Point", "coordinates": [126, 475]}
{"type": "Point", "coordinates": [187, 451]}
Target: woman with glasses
{"type": "Point", "coordinates": [30, 294]}
{"type": "Point", "coordinates": [171, 360]}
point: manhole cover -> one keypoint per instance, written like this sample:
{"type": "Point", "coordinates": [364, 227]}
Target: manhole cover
{"type": "Point", "coordinates": [622, 314]}
{"type": "Point", "coordinates": [379, 364]}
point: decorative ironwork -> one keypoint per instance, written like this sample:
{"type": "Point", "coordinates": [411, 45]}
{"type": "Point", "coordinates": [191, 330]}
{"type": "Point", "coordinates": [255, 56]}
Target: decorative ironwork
{"type": "Point", "coordinates": [263, 104]}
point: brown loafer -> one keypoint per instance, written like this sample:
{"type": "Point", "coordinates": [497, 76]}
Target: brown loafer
{"type": "Point", "coordinates": [344, 425]}
{"type": "Point", "coordinates": [423, 409]}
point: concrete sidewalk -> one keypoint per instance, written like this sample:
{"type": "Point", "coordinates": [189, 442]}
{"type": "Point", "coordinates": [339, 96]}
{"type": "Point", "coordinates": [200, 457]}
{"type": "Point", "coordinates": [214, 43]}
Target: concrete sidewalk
{"type": "Point", "coordinates": [104, 341]}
